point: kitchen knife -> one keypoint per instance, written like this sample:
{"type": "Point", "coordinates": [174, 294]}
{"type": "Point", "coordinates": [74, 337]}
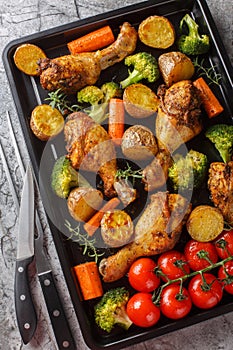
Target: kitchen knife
{"type": "Point", "coordinates": [55, 309]}
{"type": "Point", "coordinates": [25, 311]}
{"type": "Point", "coordinates": [53, 302]}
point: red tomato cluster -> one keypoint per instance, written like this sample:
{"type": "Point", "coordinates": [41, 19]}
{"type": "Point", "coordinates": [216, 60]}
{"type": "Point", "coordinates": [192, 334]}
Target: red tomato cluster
{"type": "Point", "coordinates": [204, 289]}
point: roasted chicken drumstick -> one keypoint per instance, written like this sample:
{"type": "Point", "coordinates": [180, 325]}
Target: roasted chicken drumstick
{"type": "Point", "coordinates": [90, 148]}
{"type": "Point", "coordinates": [220, 184]}
{"type": "Point", "coordinates": [155, 174]}
{"type": "Point", "coordinates": [73, 72]}
{"type": "Point", "coordinates": [178, 119]}
{"type": "Point", "coordinates": [157, 230]}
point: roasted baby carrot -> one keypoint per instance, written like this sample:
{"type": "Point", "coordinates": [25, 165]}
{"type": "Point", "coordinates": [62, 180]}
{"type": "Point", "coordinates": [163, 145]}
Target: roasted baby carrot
{"type": "Point", "coordinates": [92, 225]}
{"type": "Point", "coordinates": [92, 41]}
{"type": "Point", "coordinates": [116, 120]}
{"type": "Point", "coordinates": [210, 102]}
{"type": "Point", "coordinates": [89, 280]}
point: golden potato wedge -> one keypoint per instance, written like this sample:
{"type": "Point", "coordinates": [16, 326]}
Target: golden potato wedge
{"type": "Point", "coordinates": [205, 223]}
{"type": "Point", "coordinates": [175, 66]}
{"type": "Point", "coordinates": [26, 57]}
{"type": "Point", "coordinates": [157, 32]}
{"type": "Point", "coordinates": [140, 101]}
{"type": "Point", "coordinates": [83, 202]}
{"type": "Point", "coordinates": [139, 143]}
{"type": "Point", "coordinates": [46, 122]}
{"type": "Point", "coordinates": [116, 228]}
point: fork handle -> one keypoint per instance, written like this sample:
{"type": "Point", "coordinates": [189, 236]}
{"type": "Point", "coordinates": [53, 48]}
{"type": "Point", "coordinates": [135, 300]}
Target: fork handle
{"type": "Point", "coordinates": [56, 312]}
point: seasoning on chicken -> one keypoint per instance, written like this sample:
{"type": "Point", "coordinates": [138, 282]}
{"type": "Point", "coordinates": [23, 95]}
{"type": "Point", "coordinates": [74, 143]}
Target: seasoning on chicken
{"type": "Point", "coordinates": [71, 73]}
{"type": "Point", "coordinates": [90, 148]}
{"type": "Point", "coordinates": [155, 174]}
{"type": "Point", "coordinates": [157, 230]}
{"type": "Point", "coordinates": [178, 119]}
{"type": "Point", "coordinates": [220, 184]}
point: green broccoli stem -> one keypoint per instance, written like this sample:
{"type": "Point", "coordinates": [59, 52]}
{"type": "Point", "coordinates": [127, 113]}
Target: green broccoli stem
{"type": "Point", "coordinates": [98, 112]}
{"type": "Point", "coordinates": [157, 293]}
{"type": "Point", "coordinates": [134, 77]}
{"type": "Point", "coordinates": [192, 26]}
{"type": "Point", "coordinates": [225, 154]}
{"type": "Point", "coordinates": [82, 182]}
{"type": "Point", "coordinates": [123, 320]}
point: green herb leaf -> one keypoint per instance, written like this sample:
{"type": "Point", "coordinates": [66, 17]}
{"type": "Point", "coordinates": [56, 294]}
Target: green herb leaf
{"type": "Point", "coordinates": [210, 72]}
{"type": "Point", "coordinates": [84, 240]}
{"type": "Point", "coordinates": [58, 99]}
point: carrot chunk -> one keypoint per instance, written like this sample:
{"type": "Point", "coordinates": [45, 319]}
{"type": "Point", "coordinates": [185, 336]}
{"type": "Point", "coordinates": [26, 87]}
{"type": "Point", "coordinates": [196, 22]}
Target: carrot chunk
{"type": "Point", "coordinates": [92, 225]}
{"type": "Point", "coordinates": [89, 280]}
{"type": "Point", "coordinates": [210, 102]}
{"type": "Point", "coordinates": [116, 120]}
{"type": "Point", "coordinates": [92, 41]}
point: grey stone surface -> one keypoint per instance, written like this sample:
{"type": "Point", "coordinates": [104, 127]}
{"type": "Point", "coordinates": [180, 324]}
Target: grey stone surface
{"type": "Point", "coordinates": [18, 18]}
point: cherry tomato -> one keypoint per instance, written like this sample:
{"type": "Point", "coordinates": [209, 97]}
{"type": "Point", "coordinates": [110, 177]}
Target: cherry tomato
{"type": "Point", "coordinates": [142, 311]}
{"type": "Point", "coordinates": [195, 251]}
{"type": "Point", "coordinates": [224, 244]}
{"type": "Point", "coordinates": [205, 295]}
{"type": "Point", "coordinates": [225, 274]}
{"type": "Point", "coordinates": [175, 304]}
{"type": "Point", "coordinates": [173, 264]}
{"type": "Point", "coordinates": [142, 276]}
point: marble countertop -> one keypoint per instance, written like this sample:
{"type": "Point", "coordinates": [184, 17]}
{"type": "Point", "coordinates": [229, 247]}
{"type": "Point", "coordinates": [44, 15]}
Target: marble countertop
{"type": "Point", "coordinates": [19, 18]}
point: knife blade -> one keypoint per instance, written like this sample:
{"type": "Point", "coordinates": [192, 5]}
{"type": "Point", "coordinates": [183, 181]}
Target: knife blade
{"type": "Point", "coordinates": [53, 302]}
{"type": "Point", "coordinates": [25, 310]}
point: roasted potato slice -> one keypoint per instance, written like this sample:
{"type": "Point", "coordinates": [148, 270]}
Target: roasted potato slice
{"type": "Point", "coordinates": [175, 66]}
{"type": "Point", "coordinates": [140, 101]}
{"type": "Point", "coordinates": [157, 32]}
{"type": "Point", "coordinates": [26, 57]}
{"type": "Point", "coordinates": [116, 228]}
{"type": "Point", "coordinates": [46, 122]}
{"type": "Point", "coordinates": [139, 143]}
{"type": "Point", "coordinates": [205, 223]}
{"type": "Point", "coordinates": [83, 202]}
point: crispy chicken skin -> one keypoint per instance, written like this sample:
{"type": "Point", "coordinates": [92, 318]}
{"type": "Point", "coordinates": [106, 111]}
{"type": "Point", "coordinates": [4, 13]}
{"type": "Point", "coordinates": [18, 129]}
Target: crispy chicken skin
{"type": "Point", "coordinates": [178, 118]}
{"type": "Point", "coordinates": [90, 148]}
{"type": "Point", "coordinates": [71, 73]}
{"type": "Point", "coordinates": [155, 174]}
{"type": "Point", "coordinates": [157, 231]}
{"type": "Point", "coordinates": [220, 184]}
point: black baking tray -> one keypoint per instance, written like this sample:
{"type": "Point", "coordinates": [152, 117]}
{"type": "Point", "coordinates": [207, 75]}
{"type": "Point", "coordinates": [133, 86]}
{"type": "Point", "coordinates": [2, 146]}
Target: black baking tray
{"type": "Point", "coordinates": [27, 93]}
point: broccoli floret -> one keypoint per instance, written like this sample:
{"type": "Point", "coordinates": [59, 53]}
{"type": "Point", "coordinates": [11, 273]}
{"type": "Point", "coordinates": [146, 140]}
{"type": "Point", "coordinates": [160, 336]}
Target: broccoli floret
{"type": "Point", "coordinates": [98, 99]}
{"type": "Point", "coordinates": [145, 66]}
{"type": "Point", "coordinates": [188, 172]}
{"type": "Point", "coordinates": [111, 90]}
{"type": "Point", "coordinates": [193, 43]}
{"type": "Point", "coordinates": [63, 177]}
{"type": "Point", "coordinates": [111, 310]}
{"type": "Point", "coordinates": [222, 137]}
{"type": "Point", "coordinates": [90, 94]}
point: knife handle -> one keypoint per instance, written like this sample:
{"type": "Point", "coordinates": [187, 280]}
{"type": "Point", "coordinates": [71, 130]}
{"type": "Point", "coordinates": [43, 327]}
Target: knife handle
{"type": "Point", "coordinates": [58, 319]}
{"type": "Point", "coordinates": [25, 310]}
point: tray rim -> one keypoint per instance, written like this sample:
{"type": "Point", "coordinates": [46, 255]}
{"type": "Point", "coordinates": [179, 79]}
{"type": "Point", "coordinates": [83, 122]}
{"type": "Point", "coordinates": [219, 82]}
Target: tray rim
{"type": "Point", "coordinates": [79, 23]}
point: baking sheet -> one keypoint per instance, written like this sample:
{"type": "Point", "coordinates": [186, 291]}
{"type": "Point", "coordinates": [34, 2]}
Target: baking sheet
{"type": "Point", "coordinates": [27, 93]}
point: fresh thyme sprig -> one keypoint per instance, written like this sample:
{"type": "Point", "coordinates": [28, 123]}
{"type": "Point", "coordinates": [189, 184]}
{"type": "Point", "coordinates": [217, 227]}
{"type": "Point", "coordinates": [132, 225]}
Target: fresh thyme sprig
{"type": "Point", "coordinates": [128, 172]}
{"type": "Point", "coordinates": [210, 72]}
{"type": "Point", "coordinates": [84, 240]}
{"type": "Point", "coordinates": [58, 99]}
